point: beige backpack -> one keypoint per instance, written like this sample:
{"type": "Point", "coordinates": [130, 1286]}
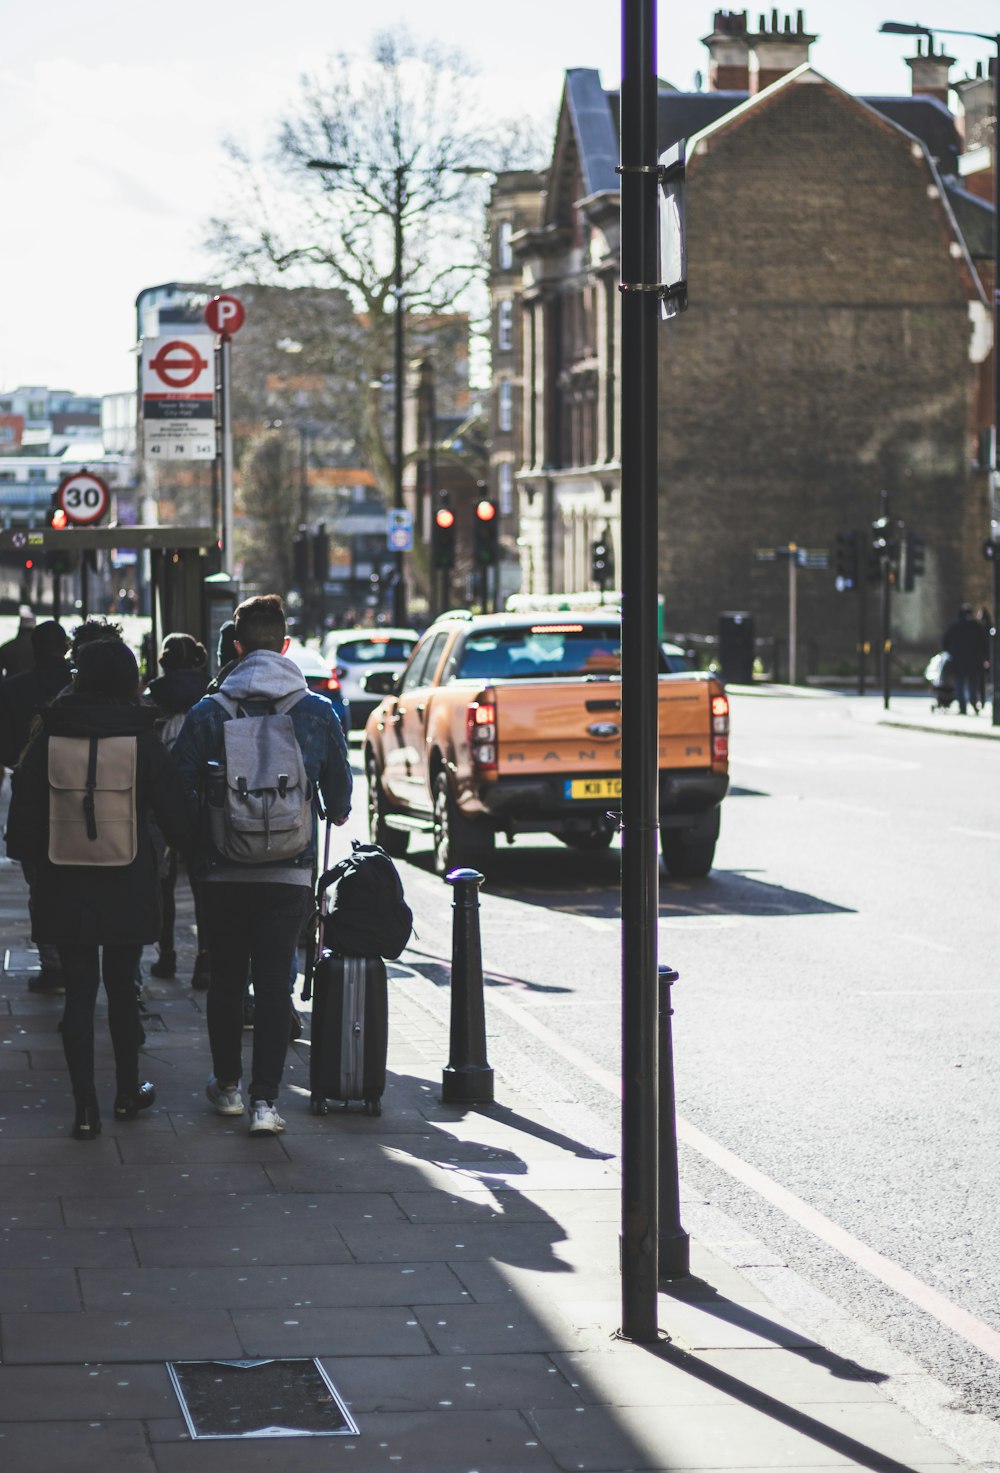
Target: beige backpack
{"type": "Point", "coordinates": [92, 800]}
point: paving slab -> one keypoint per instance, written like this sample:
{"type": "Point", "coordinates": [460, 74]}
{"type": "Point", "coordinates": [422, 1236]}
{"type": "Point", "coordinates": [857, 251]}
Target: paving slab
{"type": "Point", "coordinates": [277, 1287]}
{"type": "Point", "coordinates": [265, 1208]}
{"type": "Point", "coordinates": [34, 1247]}
{"type": "Point", "coordinates": [306, 1331]}
{"type": "Point", "coordinates": [479, 1382]}
{"type": "Point", "coordinates": [71, 1339]}
{"type": "Point", "coordinates": [85, 1393]}
{"type": "Point", "coordinates": [79, 1447]}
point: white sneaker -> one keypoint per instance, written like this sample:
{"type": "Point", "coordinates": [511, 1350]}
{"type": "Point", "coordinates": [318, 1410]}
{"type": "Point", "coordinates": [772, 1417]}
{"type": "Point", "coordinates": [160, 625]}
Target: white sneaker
{"type": "Point", "coordinates": [227, 1101]}
{"type": "Point", "coordinates": [264, 1119]}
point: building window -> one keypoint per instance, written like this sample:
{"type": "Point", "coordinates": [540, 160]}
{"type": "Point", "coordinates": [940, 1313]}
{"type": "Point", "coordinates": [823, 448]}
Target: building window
{"type": "Point", "coordinates": [505, 411]}
{"type": "Point", "coordinates": [505, 326]}
{"type": "Point", "coordinates": [505, 254]}
{"type": "Point", "coordinates": [506, 485]}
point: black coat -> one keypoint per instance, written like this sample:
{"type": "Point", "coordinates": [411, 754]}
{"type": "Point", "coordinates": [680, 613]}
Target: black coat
{"type": "Point", "coordinates": [87, 904]}
{"type": "Point", "coordinates": [21, 697]}
{"type": "Point", "coordinates": [176, 691]}
{"type": "Point", "coordinates": [968, 643]}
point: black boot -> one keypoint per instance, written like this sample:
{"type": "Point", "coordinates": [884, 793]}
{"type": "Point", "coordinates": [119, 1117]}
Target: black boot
{"type": "Point", "coordinates": [87, 1125]}
{"type": "Point", "coordinates": [128, 1102]}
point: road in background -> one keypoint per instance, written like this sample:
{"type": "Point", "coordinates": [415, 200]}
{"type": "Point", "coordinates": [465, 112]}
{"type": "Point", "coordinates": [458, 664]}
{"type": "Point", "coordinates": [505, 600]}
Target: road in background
{"type": "Point", "coordinates": [836, 1020]}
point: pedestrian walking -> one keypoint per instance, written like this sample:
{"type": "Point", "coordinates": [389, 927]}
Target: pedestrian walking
{"type": "Point", "coordinates": [16, 655]}
{"type": "Point", "coordinates": [183, 683]}
{"type": "Point", "coordinates": [968, 644]}
{"type": "Point", "coordinates": [21, 698]}
{"type": "Point", "coordinates": [253, 756]}
{"type": "Point", "coordinates": [79, 813]}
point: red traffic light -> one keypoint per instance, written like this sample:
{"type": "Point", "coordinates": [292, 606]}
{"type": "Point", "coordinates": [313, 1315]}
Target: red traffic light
{"type": "Point", "coordinates": [486, 510]}
{"type": "Point", "coordinates": [445, 517]}
{"type": "Point", "coordinates": [59, 520]}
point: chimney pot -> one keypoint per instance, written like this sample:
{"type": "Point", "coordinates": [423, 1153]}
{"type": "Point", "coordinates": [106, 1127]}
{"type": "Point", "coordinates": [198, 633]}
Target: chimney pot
{"type": "Point", "coordinates": [775, 27]}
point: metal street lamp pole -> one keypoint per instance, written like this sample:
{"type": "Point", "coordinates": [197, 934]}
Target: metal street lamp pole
{"type": "Point", "coordinates": [399, 586]}
{"type": "Point", "coordinates": [900, 28]}
{"type": "Point", "coordinates": [639, 881]}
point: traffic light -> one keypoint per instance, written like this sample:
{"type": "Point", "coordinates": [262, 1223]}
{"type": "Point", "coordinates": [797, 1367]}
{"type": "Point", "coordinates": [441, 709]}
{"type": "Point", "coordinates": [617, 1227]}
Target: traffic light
{"type": "Point", "coordinates": [321, 554]}
{"type": "Point", "coordinates": [916, 561]}
{"type": "Point", "coordinates": [487, 529]}
{"type": "Point", "coordinates": [443, 539]}
{"type": "Point", "coordinates": [602, 563]}
{"type": "Point", "coordinates": [882, 551]}
{"type": "Point", "coordinates": [846, 561]}
{"type": "Point", "coordinates": [300, 560]}
{"type": "Point", "coordinates": [58, 560]}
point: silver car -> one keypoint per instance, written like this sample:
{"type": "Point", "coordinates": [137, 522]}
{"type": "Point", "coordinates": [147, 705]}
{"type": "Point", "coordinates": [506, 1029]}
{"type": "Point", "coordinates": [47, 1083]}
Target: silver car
{"type": "Point", "coordinates": [358, 653]}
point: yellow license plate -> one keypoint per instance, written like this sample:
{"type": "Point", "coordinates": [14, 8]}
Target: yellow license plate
{"type": "Point", "coordinates": [594, 787]}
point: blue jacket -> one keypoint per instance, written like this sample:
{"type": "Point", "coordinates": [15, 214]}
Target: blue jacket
{"type": "Point", "coordinates": [265, 676]}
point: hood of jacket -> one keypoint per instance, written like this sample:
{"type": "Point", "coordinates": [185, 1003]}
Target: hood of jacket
{"type": "Point", "coordinates": [177, 690]}
{"type": "Point", "coordinates": [76, 715]}
{"type": "Point", "coordinates": [263, 675]}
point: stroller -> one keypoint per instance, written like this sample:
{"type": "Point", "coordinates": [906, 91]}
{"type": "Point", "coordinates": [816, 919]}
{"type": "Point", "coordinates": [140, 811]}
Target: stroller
{"type": "Point", "coordinates": [938, 673]}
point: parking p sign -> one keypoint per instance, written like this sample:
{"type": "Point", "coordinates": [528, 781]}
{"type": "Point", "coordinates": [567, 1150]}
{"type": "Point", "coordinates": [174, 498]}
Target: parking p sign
{"type": "Point", "coordinates": [400, 529]}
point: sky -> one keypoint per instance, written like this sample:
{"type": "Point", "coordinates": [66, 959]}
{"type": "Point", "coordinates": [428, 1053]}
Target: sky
{"type": "Point", "coordinates": [113, 115]}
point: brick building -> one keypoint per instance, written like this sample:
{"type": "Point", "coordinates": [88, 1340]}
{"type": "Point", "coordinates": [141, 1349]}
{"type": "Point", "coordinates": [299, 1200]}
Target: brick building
{"type": "Point", "coordinates": [836, 342]}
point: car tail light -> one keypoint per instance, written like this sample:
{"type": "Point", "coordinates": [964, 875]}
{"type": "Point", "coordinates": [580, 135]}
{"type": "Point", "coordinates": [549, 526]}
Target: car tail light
{"type": "Point", "coordinates": [720, 728]}
{"type": "Point", "coordinates": [333, 683]}
{"type": "Point", "coordinates": [481, 730]}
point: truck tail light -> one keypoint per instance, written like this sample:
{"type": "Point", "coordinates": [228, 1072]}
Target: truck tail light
{"type": "Point", "coordinates": [481, 729]}
{"type": "Point", "coordinates": [720, 728]}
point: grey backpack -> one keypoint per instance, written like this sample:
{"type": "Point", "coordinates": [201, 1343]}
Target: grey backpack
{"type": "Point", "coordinates": [259, 799]}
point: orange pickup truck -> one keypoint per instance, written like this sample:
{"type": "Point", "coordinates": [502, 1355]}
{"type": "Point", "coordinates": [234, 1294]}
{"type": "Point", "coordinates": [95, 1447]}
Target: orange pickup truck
{"type": "Point", "coordinates": [511, 724]}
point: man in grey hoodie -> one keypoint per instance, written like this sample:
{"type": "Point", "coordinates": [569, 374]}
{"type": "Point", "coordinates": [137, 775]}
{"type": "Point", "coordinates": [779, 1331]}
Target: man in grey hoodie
{"type": "Point", "coordinates": [253, 913]}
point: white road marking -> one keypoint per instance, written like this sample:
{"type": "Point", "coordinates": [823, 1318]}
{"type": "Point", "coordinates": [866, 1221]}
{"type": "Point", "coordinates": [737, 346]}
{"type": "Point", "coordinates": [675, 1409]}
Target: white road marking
{"type": "Point", "coordinates": [900, 1280]}
{"type": "Point", "coordinates": [849, 807]}
{"type": "Point", "coordinates": [975, 833]}
{"type": "Point", "coordinates": [925, 941]}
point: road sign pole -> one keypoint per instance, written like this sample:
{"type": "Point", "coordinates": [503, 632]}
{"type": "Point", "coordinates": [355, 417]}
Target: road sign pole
{"type": "Point", "coordinates": [793, 615]}
{"type": "Point", "coordinates": [225, 393]}
{"type": "Point", "coordinates": [639, 493]}
{"type": "Point", "coordinates": [862, 616]}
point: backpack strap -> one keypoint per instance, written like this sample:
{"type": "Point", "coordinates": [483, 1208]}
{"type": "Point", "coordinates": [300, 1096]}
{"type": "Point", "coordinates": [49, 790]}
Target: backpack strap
{"type": "Point", "coordinates": [280, 707]}
{"type": "Point", "coordinates": [89, 814]}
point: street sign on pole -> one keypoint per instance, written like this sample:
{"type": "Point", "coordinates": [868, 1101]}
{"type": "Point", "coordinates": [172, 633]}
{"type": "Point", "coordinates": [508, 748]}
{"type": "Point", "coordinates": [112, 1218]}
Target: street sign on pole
{"type": "Point", "coordinates": [399, 529]}
{"type": "Point", "coordinates": [225, 313]}
{"type": "Point", "coordinates": [178, 392]}
{"type": "Point", "coordinates": [84, 498]}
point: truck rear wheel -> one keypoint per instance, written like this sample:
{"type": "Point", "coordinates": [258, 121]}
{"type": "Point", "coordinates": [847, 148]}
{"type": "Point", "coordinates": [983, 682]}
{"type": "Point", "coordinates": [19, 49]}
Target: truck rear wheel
{"type": "Point", "coordinates": [395, 842]}
{"type": "Point", "coordinates": [459, 843]}
{"type": "Point", "coordinates": [685, 858]}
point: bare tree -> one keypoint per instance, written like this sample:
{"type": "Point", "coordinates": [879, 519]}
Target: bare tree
{"type": "Point", "coordinates": [405, 131]}
{"type": "Point", "coordinates": [269, 488]}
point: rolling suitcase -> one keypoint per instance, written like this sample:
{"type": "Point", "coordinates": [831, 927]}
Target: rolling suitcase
{"type": "Point", "coordinates": [350, 1032]}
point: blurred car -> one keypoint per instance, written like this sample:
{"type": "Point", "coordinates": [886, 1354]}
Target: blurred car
{"type": "Point", "coordinates": [357, 653]}
{"type": "Point", "coordinates": [320, 679]}
{"type": "Point", "coordinates": [674, 660]}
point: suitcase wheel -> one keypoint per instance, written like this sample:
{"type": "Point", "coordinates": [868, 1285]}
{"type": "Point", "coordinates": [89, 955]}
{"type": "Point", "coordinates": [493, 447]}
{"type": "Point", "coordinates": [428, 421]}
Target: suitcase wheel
{"type": "Point", "coordinates": [317, 1105]}
{"type": "Point", "coordinates": [373, 1107]}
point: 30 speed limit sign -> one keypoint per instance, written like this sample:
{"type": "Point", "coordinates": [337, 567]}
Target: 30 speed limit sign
{"type": "Point", "coordinates": [84, 498]}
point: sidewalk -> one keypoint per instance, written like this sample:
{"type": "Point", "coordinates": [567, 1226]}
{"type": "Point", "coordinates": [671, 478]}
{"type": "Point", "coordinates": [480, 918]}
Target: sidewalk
{"type": "Point", "coordinates": [456, 1273]}
{"type": "Point", "coordinates": [914, 710]}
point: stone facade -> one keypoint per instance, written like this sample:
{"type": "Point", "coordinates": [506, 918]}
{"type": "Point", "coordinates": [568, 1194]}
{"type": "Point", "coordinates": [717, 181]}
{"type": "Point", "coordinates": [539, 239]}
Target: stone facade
{"type": "Point", "coordinates": [836, 347]}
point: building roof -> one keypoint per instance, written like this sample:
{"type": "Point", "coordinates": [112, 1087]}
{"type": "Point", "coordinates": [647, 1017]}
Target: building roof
{"type": "Point", "coordinates": [974, 217]}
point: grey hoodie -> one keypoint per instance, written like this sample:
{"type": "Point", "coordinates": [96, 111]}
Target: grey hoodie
{"type": "Point", "coordinates": [262, 676]}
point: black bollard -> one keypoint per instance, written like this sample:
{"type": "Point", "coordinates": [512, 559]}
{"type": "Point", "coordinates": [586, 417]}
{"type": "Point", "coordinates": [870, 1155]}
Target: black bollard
{"type": "Point", "coordinates": [468, 1079]}
{"type": "Point", "coordinates": [674, 1242]}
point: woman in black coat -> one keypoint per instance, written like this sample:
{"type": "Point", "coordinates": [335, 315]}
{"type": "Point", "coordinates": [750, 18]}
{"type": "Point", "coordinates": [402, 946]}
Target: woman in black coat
{"type": "Point", "coordinates": [183, 683]}
{"type": "Point", "coordinates": [82, 908]}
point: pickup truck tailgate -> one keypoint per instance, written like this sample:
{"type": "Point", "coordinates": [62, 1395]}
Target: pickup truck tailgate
{"type": "Point", "coordinates": [546, 726]}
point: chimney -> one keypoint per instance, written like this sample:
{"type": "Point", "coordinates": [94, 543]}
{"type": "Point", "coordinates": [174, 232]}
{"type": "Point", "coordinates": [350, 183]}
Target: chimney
{"type": "Point", "coordinates": [777, 49]}
{"type": "Point", "coordinates": [929, 71]}
{"type": "Point", "coordinates": [727, 52]}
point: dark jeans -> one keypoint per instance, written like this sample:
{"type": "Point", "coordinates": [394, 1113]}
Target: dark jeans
{"type": "Point", "coordinates": [47, 953]}
{"type": "Point", "coordinates": [168, 885]}
{"type": "Point", "coordinates": [251, 926]}
{"type": "Point", "coordinates": [82, 968]}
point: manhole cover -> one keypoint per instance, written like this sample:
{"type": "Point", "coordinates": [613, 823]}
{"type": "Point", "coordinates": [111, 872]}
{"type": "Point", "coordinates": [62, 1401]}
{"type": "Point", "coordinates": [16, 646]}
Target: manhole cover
{"type": "Point", "coordinates": [259, 1398]}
